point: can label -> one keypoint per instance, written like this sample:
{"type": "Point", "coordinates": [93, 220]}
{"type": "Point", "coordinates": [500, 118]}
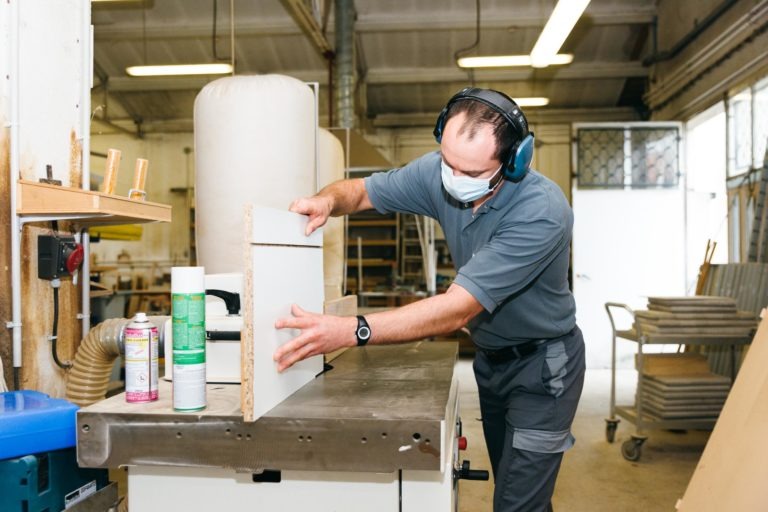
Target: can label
{"type": "Point", "coordinates": [188, 323]}
{"type": "Point", "coordinates": [141, 366]}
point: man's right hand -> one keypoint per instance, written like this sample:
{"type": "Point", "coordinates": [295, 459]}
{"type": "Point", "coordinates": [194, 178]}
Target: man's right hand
{"type": "Point", "coordinates": [317, 208]}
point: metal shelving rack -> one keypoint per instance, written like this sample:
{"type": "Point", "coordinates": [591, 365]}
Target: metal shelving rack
{"type": "Point", "coordinates": [632, 448]}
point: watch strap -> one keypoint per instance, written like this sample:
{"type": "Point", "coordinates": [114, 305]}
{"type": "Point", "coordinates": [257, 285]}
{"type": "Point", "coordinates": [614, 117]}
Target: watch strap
{"type": "Point", "coordinates": [363, 331]}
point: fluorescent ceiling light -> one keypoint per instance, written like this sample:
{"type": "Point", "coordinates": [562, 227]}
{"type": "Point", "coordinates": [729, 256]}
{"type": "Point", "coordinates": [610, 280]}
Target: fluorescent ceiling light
{"type": "Point", "coordinates": [508, 61]}
{"type": "Point", "coordinates": [535, 101]}
{"type": "Point", "coordinates": [180, 69]}
{"type": "Point", "coordinates": [558, 27]}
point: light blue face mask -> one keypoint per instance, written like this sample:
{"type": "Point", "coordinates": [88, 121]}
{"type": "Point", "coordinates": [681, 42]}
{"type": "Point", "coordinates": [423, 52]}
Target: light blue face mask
{"type": "Point", "coordinates": [464, 188]}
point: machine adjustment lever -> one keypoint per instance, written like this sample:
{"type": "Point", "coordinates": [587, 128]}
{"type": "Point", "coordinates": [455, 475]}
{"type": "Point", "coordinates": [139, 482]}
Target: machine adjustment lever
{"type": "Point", "coordinates": [231, 300]}
{"type": "Point", "coordinates": [272, 476]}
{"type": "Point", "coordinates": [464, 473]}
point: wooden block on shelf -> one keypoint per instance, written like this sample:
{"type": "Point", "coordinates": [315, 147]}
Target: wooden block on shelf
{"type": "Point", "coordinates": [674, 364]}
{"type": "Point", "coordinates": [344, 306]}
{"type": "Point", "coordinates": [283, 267]}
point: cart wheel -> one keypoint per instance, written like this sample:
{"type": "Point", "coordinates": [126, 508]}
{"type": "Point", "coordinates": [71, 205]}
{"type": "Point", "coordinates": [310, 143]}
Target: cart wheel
{"type": "Point", "coordinates": [610, 429]}
{"type": "Point", "coordinates": [631, 449]}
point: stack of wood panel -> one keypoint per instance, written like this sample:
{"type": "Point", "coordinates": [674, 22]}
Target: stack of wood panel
{"type": "Point", "coordinates": [681, 387]}
{"type": "Point", "coordinates": [698, 317]}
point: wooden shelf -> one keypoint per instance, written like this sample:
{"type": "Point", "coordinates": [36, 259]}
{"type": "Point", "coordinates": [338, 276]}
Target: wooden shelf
{"type": "Point", "coordinates": [369, 243]}
{"type": "Point", "coordinates": [88, 208]}
{"type": "Point", "coordinates": [372, 262]}
{"type": "Point", "coordinates": [371, 223]}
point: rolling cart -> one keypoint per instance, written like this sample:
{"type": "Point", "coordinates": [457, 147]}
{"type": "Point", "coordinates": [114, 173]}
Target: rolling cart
{"type": "Point", "coordinates": [631, 449]}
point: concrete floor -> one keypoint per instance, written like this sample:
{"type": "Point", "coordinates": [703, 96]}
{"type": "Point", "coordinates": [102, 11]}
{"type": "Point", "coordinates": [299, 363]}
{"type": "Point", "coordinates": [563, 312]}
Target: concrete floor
{"type": "Point", "coordinates": [594, 476]}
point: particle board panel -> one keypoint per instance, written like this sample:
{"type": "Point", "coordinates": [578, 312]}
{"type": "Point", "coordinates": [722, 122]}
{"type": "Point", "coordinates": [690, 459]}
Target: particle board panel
{"type": "Point", "coordinates": [283, 267]}
{"type": "Point", "coordinates": [692, 309]}
{"type": "Point", "coordinates": [674, 364]}
{"type": "Point", "coordinates": [343, 306]}
{"type": "Point", "coordinates": [278, 227]}
{"type": "Point", "coordinates": [664, 315]}
{"type": "Point", "coordinates": [736, 332]}
{"type": "Point", "coordinates": [699, 300]}
{"type": "Point", "coordinates": [733, 469]}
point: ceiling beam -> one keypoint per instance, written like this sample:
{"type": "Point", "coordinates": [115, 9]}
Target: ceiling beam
{"type": "Point", "coordinates": [534, 116]}
{"type": "Point", "coordinates": [306, 21]}
{"type": "Point", "coordinates": [369, 25]}
{"type": "Point", "coordinates": [384, 76]}
{"type": "Point", "coordinates": [576, 71]}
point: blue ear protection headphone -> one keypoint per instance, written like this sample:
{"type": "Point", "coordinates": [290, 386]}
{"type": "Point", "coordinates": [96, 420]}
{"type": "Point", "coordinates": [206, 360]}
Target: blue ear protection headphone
{"type": "Point", "coordinates": [517, 163]}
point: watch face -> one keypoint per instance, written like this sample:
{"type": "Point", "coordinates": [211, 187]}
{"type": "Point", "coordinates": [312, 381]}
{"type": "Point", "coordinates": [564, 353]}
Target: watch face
{"type": "Point", "coordinates": [363, 332]}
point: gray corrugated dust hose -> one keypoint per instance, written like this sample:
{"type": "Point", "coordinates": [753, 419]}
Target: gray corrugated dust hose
{"type": "Point", "coordinates": [89, 376]}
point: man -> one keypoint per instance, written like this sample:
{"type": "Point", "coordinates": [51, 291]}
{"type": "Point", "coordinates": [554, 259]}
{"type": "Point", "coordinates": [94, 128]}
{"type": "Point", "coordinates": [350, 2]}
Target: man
{"type": "Point", "coordinates": [509, 232]}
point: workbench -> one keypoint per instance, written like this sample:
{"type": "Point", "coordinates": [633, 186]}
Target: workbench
{"type": "Point", "coordinates": [383, 421]}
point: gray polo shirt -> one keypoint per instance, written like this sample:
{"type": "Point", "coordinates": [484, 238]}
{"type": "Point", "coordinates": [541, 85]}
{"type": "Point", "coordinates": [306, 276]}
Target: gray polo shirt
{"type": "Point", "coordinates": [512, 255]}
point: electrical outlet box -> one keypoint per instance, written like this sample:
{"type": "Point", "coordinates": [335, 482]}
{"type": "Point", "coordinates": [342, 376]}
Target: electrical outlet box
{"type": "Point", "coordinates": [57, 256]}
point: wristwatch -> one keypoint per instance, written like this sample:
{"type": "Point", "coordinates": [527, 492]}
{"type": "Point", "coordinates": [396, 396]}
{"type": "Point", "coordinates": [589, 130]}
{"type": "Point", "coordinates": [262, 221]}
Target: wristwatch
{"type": "Point", "coordinates": [363, 332]}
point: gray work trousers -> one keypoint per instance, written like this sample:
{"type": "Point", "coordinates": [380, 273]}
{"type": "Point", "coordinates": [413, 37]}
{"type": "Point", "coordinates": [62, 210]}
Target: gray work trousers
{"type": "Point", "coordinates": [528, 405]}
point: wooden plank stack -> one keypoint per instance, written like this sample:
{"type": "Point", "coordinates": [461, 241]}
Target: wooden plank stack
{"type": "Point", "coordinates": [696, 317]}
{"type": "Point", "coordinates": [681, 387]}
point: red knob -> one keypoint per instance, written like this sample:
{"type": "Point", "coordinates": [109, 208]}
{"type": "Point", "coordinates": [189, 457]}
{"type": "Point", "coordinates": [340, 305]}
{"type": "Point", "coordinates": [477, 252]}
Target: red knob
{"type": "Point", "coordinates": [462, 443]}
{"type": "Point", "coordinates": [75, 258]}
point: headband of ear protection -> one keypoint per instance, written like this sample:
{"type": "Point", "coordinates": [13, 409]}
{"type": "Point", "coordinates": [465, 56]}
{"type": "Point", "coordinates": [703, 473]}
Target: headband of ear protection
{"type": "Point", "coordinates": [518, 161]}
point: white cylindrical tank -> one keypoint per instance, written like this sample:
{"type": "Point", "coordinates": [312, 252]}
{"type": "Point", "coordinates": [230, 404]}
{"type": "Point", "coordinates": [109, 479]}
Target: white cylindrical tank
{"type": "Point", "coordinates": [254, 143]}
{"type": "Point", "coordinates": [330, 168]}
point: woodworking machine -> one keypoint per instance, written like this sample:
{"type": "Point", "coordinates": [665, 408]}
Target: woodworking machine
{"type": "Point", "coordinates": [379, 431]}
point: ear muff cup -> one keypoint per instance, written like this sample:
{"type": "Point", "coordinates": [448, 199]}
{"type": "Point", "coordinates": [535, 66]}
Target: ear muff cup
{"type": "Point", "coordinates": [520, 155]}
{"type": "Point", "coordinates": [521, 160]}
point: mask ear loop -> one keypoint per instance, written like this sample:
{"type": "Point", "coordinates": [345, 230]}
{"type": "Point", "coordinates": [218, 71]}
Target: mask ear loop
{"type": "Point", "coordinates": [499, 177]}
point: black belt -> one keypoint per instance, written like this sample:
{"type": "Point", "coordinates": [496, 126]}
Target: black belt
{"type": "Point", "coordinates": [519, 351]}
{"type": "Point", "coordinates": [514, 352]}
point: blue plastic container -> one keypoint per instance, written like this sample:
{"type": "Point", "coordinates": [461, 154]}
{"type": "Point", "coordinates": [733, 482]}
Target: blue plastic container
{"type": "Point", "coordinates": [32, 422]}
{"type": "Point", "coordinates": [46, 482]}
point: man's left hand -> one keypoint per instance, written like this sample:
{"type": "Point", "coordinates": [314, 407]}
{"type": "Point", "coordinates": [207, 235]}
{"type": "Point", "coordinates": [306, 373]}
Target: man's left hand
{"type": "Point", "coordinates": [320, 334]}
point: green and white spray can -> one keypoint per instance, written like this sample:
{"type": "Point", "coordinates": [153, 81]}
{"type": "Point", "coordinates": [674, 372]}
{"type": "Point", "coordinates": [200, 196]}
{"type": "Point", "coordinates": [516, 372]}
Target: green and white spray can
{"type": "Point", "coordinates": [188, 324]}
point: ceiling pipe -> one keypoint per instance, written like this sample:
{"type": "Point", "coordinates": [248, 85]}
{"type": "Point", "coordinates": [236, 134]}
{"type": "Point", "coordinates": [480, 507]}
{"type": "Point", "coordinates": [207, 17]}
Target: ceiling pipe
{"type": "Point", "coordinates": [304, 18]}
{"type": "Point", "coordinates": [14, 174]}
{"type": "Point", "coordinates": [345, 62]}
{"type": "Point", "coordinates": [689, 37]}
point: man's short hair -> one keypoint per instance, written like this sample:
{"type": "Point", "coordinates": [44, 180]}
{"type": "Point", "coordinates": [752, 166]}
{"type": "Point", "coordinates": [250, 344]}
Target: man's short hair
{"type": "Point", "coordinates": [478, 114]}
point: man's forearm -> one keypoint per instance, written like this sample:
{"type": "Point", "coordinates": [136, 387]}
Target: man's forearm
{"type": "Point", "coordinates": [346, 196]}
{"type": "Point", "coordinates": [441, 314]}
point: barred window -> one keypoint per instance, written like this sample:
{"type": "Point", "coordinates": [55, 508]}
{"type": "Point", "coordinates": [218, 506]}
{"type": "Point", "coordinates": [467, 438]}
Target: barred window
{"type": "Point", "coordinates": [740, 133]}
{"type": "Point", "coordinates": [761, 124]}
{"type": "Point", "coordinates": [632, 156]}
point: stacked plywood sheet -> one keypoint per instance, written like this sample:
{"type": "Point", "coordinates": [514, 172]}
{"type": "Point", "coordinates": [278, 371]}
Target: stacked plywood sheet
{"type": "Point", "coordinates": [681, 387]}
{"type": "Point", "coordinates": [700, 317]}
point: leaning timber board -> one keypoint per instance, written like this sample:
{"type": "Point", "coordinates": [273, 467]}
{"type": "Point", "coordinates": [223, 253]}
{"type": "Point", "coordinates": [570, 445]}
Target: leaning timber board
{"type": "Point", "coordinates": [282, 267]}
{"type": "Point", "coordinates": [733, 469]}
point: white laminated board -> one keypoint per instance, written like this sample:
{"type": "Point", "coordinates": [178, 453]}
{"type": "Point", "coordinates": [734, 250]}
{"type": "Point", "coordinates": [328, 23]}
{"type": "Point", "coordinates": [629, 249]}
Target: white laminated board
{"type": "Point", "coordinates": [283, 267]}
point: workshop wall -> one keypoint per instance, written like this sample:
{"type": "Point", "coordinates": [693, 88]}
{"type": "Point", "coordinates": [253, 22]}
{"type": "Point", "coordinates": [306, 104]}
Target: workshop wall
{"type": "Point", "coordinates": [551, 156]}
{"type": "Point", "coordinates": [48, 39]}
{"type": "Point", "coordinates": [170, 180]}
{"type": "Point", "coordinates": [729, 52]}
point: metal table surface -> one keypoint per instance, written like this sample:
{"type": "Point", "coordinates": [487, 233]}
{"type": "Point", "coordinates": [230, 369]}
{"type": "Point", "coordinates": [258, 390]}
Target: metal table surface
{"type": "Point", "coordinates": [380, 409]}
